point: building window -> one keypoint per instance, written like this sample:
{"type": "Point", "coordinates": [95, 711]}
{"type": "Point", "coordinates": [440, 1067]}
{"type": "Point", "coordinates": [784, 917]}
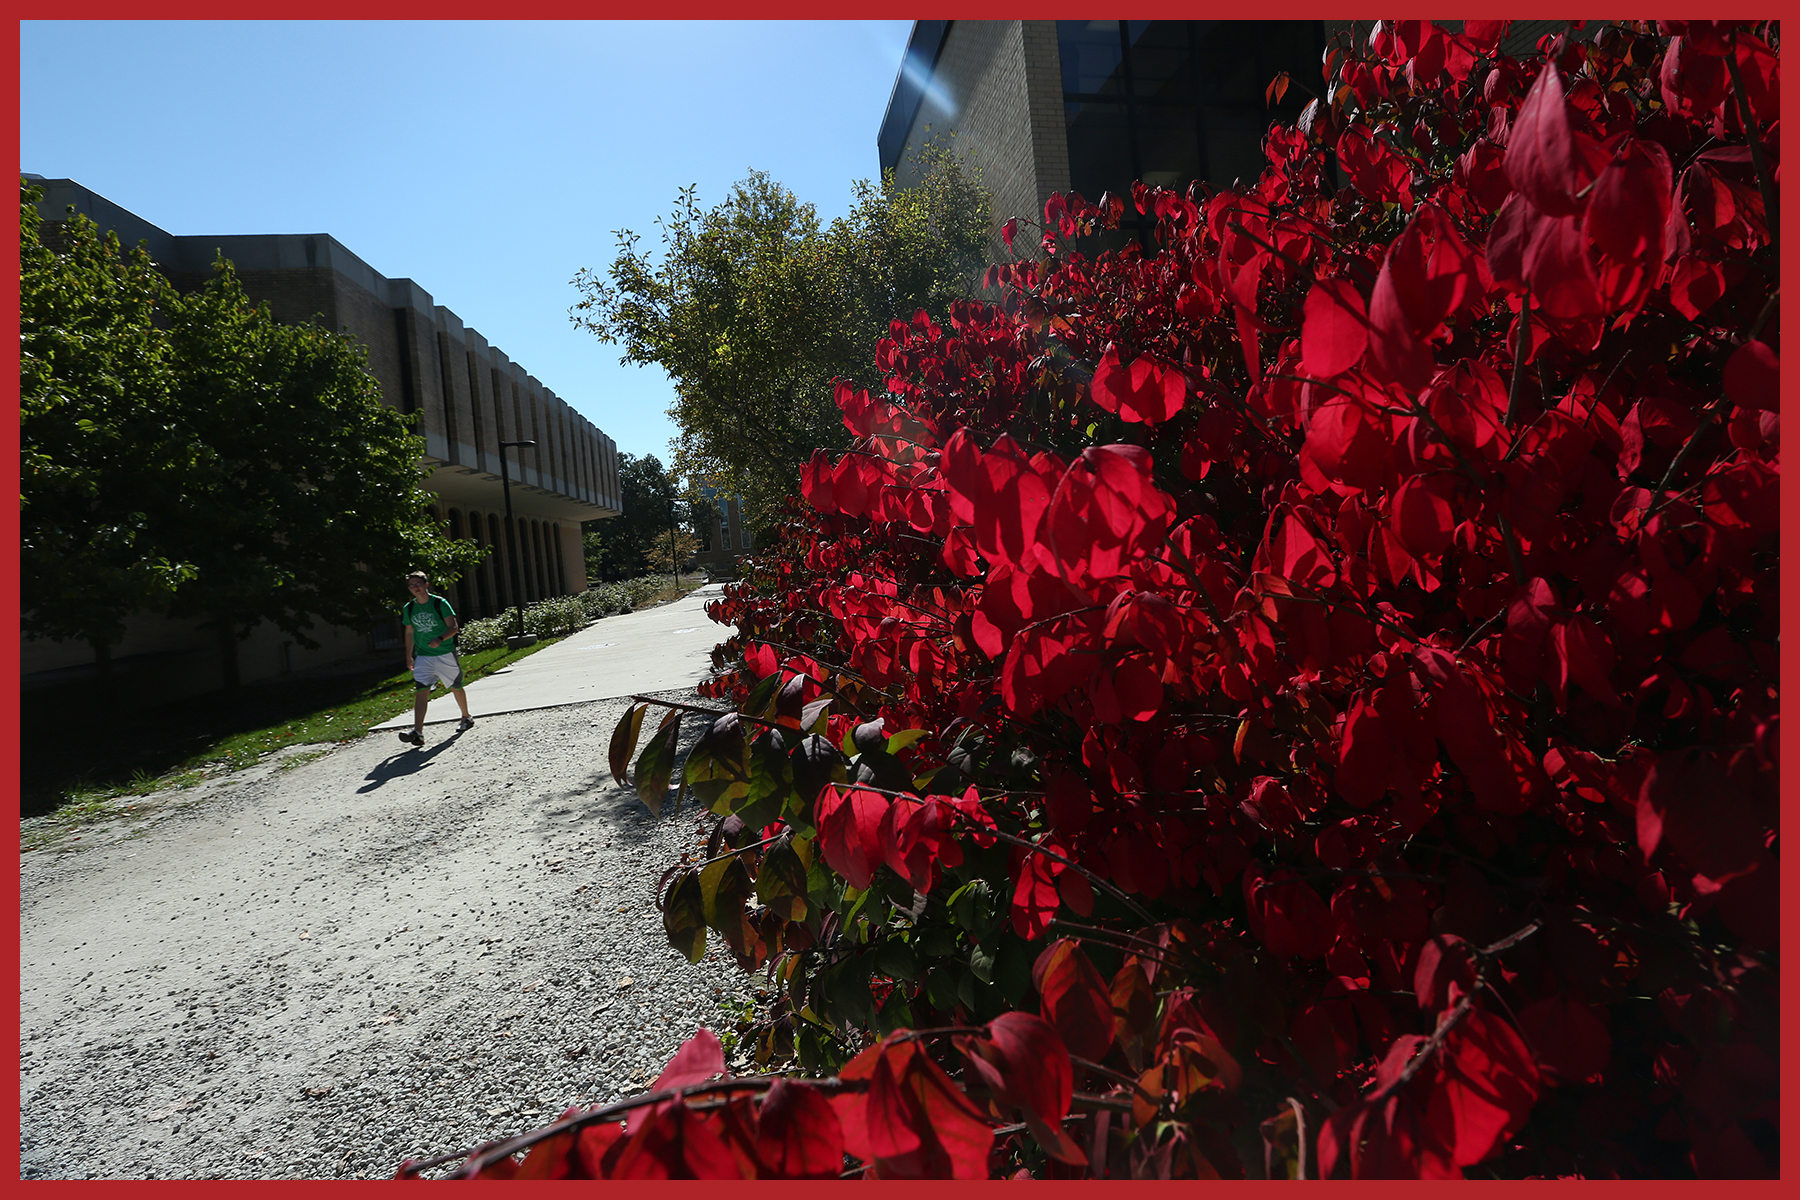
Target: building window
{"type": "Point", "coordinates": [502, 580]}
{"type": "Point", "coordinates": [744, 535]}
{"type": "Point", "coordinates": [1169, 102]}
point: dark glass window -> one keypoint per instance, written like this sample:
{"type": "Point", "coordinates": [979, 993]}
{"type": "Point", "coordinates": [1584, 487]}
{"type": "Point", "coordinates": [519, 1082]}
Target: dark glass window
{"type": "Point", "coordinates": [1099, 146]}
{"type": "Point", "coordinates": [1168, 102]}
{"type": "Point", "coordinates": [1091, 57]}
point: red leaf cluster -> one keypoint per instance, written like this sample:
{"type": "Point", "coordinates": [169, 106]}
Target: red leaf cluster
{"type": "Point", "coordinates": [1339, 645]}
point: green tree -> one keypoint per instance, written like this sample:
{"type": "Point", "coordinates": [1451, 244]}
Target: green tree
{"type": "Point", "coordinates": [307, 502]}
{"type": "Point", "coordinates": [635, 541]}
{"type": "Point", "coordinates": [190, 456]}
{"type": "Point", "coordinates": [100, 443]}
{"type": "Point", "coordinates": [754, 309]}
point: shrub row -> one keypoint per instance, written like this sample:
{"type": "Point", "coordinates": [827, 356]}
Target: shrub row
{"type": "Point", "coordinates": [561, 615]}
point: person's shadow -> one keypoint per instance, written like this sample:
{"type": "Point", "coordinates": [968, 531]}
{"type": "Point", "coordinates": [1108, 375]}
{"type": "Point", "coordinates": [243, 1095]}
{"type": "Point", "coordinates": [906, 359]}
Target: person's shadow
{"type": "Point", "coordinates": [409, 761]}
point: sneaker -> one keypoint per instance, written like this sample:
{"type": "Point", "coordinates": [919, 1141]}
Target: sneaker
{"type": "Point", "coordinates": [412, 738]}
{"type": "Point", "coordinates": [465, 724]}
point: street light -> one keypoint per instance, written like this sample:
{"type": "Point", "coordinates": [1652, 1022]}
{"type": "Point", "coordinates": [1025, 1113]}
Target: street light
{"type": "Point", "coordinates": [512, 541]}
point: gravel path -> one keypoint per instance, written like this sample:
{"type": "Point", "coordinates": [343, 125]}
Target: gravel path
{"type": "Point", "coordinates": [377, 953]}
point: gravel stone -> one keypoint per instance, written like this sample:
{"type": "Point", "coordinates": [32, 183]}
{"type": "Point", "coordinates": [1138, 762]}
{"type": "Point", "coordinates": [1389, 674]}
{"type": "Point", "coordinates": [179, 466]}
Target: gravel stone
{"type": "Point", "coordinates": [375, 954]}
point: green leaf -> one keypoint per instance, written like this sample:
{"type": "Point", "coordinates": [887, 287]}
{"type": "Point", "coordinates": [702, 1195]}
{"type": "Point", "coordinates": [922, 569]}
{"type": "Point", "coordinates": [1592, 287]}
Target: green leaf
{"type": "Point", "coordinates": [813, 764]}
{"type": "Point", "coordinates": [1012, 968]}
{"type": "Point", "coordinates": [684, 916]}
{"type": "Point", "coordinates": [905, 738]}
{"type": "Point", "coordinates": [624, 741]}
{"type": "Point", "coordinates": [824, 887]}
{"type": "Point", "coordinates": [771, 781]}
{"type": "Point", "coordinates": [812, 717]}
{"type": "Point", "coordinates": [762, 697]}
{"type": "Point", "coordinates": [657, 763]}
{"type": "Point", "coordinates": [866, 737]}
{"type": "Point", "coordinates": [781, 881]}
{"type": "Point", "coordinates": [893, 1014]}
{"type": "Point", "coordinates": [718, 768]}
{"type": "Point", "coordinates": [724, 886]}
{"type": "Point", "coordinates": [897, 960]}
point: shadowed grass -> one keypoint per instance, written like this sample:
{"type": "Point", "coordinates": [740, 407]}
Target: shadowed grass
{"type": "Point", "coordinates": [71, 767]}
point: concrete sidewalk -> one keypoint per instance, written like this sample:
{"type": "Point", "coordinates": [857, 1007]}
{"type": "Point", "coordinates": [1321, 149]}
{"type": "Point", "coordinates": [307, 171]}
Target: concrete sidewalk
{"type": "Point", "coordinates": [650, 650]}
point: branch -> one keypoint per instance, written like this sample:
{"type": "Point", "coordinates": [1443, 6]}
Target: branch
{"type": "Point", "coordinates": [1764, 185]}
{"type": "Point", "coordinates": [1520, 347]}
{"type": "Point", "coordinates": [481, 1158]}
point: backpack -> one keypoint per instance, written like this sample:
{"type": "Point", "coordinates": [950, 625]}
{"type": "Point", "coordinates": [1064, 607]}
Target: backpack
{"type": "Point", "coordinates": [437, 606]}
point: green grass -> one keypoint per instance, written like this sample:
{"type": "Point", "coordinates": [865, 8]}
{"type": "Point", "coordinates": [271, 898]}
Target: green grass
{"type": "Point", "coordinates": [76, 763]}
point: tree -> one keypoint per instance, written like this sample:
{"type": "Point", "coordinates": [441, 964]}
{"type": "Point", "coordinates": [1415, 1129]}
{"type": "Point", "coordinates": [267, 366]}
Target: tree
{"type": "Point", "coordinates": [189, 455]}
{"type": "Point", "coordinates": [100, 442]}
{"type": "Point", "coordinates": [754, 309]}
{"type": "Point", "coordinates": [307, 501]}
{"type": "Point", "coordinates": [1318, 714]}
{"type": "Point", "coordinates": [631, 543]}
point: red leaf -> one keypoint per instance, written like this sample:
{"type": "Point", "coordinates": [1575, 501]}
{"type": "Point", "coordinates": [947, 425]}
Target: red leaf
{"type": "Point", "coordinates": [1146, 390]}
{"type": "Point", "coordinates": [1285, 915]}
{"type": "Point", "coordinates": [674, 1142]}
{"type": "Point", "coordinates": [1031, 1072]}
{"type": "Point", "coordinates": [1383, 1139]}
{"type": "Point", "coordinates": [1074, 998]}
{"type": "Point", "coordinates": [1336, 329]}
{"type": "Point", "coordinates": [1344, 441]}
{"type": "Point", "coordinates": [914, 1122]}
{"type": "Point", "coordinates": [1035, 896]}
{"type": "Point", "coordinates": [1364, 756]}
{"type": "Point", "coordinates": [1422, 517]}
{"type": "Point", "coordinates": [594, 1144]}
{"type": "Point", "coordinates": [850, 832]}
{"type": "Point", "coordinates": [1485, 36]}
{"type": "Point", "coordinates": [1528, 622]}
{"type": "Point", "coordinates": [1753, 377]}
{"type": "Point", "coordinates": [1695, 285]}
{"type": "Point", "coordinates": [699, 1059]}
{"type": "Point", "coordinates": [1628, 208]}
{"type": "Point", "coordinates": [798, 1135]}
{"type": "Point", "coordinates": [1571, 1044]}
{"type": "Point", "coordinates": [1375, 170]}
{"type": "Point", "coordinates": [1694, 82]}
{"type": "Point", "coordinates": [1541, 156]}
{"type": "Point", "coordinates": [1487, 1086]}
{"type": "Point", "coordinates": [1445, 971]}
{"type": "Point", "coordinates": [1688, 800]}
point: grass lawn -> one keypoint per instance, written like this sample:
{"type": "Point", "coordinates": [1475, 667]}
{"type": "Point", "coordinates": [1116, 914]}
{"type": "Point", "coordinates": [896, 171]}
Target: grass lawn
{"type": "Point", "coordinates": [70, 767]}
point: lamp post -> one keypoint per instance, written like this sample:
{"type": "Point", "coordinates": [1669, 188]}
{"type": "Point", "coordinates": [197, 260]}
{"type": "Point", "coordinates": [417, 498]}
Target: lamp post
{"type": "Point", "coordinates": [512, 541]}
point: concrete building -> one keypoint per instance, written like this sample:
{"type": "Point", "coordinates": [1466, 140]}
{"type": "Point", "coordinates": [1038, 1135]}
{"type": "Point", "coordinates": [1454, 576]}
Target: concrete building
{"type": "Point", "coordinates": [724, 542]}
{"type": "Point", "coordinates": [469, 397]}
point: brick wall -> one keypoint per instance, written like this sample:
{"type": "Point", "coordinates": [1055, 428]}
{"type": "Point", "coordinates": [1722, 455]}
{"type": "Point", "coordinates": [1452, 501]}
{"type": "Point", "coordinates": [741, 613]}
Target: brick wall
{"type": "Point", "coordinates": [999, 90]}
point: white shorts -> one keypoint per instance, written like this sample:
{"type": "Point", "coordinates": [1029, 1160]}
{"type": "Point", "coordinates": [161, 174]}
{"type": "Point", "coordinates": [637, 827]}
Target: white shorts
{"type": "Point", "coordinates": [441, 669]}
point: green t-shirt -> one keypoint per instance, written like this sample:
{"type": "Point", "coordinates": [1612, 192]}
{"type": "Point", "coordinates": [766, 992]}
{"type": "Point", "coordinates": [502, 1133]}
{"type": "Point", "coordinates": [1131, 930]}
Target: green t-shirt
{"type": "Point", "coordinates": [427, 624]}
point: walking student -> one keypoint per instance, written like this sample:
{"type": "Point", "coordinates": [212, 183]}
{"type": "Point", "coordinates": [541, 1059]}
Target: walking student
{"type": "Point", "coordinates": [430, 625]}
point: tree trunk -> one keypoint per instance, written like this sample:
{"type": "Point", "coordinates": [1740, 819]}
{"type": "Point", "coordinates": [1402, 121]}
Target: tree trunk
{"type": "Point", "coordinates": [228, 655]}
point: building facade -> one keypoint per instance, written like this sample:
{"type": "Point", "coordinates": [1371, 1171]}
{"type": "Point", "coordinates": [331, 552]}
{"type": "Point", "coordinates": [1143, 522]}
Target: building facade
{"type": "Point", "coordinates": [1092, 106]}
{"type": "Point", "coordinates": [724, 540]}
{"type": "Point", "coordinates": [469, 397]}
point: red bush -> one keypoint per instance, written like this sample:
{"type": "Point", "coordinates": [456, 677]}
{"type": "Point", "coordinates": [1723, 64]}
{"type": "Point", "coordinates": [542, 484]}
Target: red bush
{"type": "Point", "coordinates": [1337, 649]}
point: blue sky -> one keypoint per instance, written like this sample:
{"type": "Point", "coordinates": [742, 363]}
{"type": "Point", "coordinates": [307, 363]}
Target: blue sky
{"type": "Point", "coordinates": [487, 161]}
